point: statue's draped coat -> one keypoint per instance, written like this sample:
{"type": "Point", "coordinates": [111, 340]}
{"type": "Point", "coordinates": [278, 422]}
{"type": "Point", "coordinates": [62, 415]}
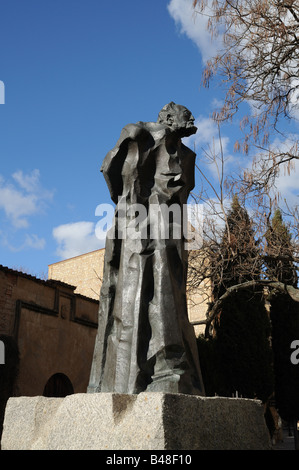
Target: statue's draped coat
{"type": "Point", "coordinates": [144, 339]}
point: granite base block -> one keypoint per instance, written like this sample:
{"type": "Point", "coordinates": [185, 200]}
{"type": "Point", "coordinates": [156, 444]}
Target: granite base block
{"type": "Point", "coordinates": [147, 421]}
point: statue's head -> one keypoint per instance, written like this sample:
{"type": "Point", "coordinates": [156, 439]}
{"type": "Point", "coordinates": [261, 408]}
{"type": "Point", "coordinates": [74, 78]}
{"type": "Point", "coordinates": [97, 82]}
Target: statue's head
{"type": "Point", "coordinates": [178, 118]}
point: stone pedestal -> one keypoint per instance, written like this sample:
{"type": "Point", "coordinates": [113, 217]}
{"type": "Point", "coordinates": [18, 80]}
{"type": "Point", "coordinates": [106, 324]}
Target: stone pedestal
{"type": "Point", "coordinates": [148, 421]}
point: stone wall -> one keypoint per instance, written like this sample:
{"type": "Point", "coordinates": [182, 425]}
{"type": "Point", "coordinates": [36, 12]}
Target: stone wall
{"type": "Point", "coordinates": [53, 327]}
{"type": "Point", "coordinates": [8, 281]}
{"type": "Point", "coordinates": [197, 306]}
{"type": "Point", "coordinates": [86, 272]}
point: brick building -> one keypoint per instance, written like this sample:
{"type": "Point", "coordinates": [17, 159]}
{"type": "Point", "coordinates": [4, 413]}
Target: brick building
{"type": "Point", "coordinates": [48, 327]}
{"type": "Point", "coordinates": [83, 271]}
{"type": "Point", "coordinates": [53, 330]}
{"type": "Point", "coordinates": [86, 271]}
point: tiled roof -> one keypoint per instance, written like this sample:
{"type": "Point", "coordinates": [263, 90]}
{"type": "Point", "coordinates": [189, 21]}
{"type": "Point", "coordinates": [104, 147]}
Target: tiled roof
{"type": "Point", "coordinates": [49, 282]}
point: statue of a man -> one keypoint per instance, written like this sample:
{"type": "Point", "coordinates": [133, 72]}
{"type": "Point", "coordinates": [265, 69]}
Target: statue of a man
{"type": "Point", "coordinates": [145, 340]}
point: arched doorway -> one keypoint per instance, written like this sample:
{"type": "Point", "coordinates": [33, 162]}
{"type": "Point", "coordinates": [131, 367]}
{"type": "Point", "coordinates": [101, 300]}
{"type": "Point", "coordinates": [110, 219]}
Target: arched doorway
{"type": "Point", "coordinates": [59, 386]}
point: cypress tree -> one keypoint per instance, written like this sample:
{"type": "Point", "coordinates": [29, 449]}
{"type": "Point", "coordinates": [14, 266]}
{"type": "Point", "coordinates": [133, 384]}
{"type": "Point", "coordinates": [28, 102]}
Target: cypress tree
{"type": "Point", "coordinates": [242, 353]}
{"type": "Point", "coordinates": [243, 348]}
{"type": "Point", "coordinates": [238, 259]}
{"type": "Point", "coordinates": [285, 321]}
{"type": "Point", "coordinates": [279, 255]}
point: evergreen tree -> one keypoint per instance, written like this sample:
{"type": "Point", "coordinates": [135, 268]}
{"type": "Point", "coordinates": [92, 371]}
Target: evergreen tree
{"type": "Point", "coordinates": [238, 259]}
{"type": "Point", "coordinates": [243, 348]}
{"type": "Point", "coordinates": [285, 321]}
{"type": "Point", "coordinates": [279, 256]}
{"type": "Point", "coordinates": [239, 352]}
{"type": "Point", "coordinates": [285, 329]}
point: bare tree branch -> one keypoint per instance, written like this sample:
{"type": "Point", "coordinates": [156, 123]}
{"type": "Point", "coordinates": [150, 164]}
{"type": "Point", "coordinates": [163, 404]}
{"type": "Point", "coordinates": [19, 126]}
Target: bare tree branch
{"type": "Point", "coordinates": [257, 65]}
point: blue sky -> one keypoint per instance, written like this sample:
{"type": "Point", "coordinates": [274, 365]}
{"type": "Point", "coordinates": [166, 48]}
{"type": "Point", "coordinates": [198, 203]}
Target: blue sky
{"type": "Point", "coordinates": [75, 72]}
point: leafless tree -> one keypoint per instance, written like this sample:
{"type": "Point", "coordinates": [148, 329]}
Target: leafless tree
{"type": "Point", "coordinates": [255, 259]}
{"type": "Point", "coordinates": [257, 65]}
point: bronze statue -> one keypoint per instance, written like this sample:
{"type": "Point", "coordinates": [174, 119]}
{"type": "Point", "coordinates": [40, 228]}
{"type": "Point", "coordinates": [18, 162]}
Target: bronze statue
{"type": "Point", "coordinates": [144, 339]}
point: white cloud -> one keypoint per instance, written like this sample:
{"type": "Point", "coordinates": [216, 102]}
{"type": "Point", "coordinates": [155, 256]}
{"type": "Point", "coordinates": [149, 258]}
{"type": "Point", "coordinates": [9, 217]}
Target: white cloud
{"type": "Point", "coordinates": [207, 138]}
{"type": "Point", "coordinates": [16, 205]}
{"type": "Point", "coordinates": [23, 198]}
{"type": "Point", "coordinates": [194, 26]}
{"type": "Point", "coordinates": [31, 241]}
{"type": "Point", "coordinates": [287, 186]}
{"type": "Point", "coordinates": [287, 179]}
{"type": "Point", "coordinates": [34, 241]}
{"type": "Point", "coordinates": [29, 183]}
{"type": "Point", "coordinates": [75, 239]}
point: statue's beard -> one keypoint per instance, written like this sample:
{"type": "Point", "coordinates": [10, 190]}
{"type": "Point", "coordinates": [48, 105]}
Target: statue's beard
{"type": "Point", "coordinates": [184, 131]}
{"type": "Point", "coordinates": [188, 130]}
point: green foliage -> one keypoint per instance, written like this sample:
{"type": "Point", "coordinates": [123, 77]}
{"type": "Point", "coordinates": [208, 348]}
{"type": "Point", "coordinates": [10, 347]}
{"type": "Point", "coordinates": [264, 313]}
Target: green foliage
{"type": "Point", "coordinates": [279, 256]}
{"type": "Point", "coordinates": [243, 332]}
{"type": "Point", "coordinates": [239, 357]}
{"type": "Point", "coordinates": [284, 318]}
{"type": "Point", "coordinates": [208, 363]}
{"type": "Point", "coordinates": [279, 228]}
{"type": "Point", "coordinates": [239, 354]}
{"type": "Point", "coordinates": [238, 255]}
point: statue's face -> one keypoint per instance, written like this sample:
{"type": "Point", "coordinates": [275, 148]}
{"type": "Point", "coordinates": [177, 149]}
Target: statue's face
{"type": "Point", "coordinates": [183, 121]}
